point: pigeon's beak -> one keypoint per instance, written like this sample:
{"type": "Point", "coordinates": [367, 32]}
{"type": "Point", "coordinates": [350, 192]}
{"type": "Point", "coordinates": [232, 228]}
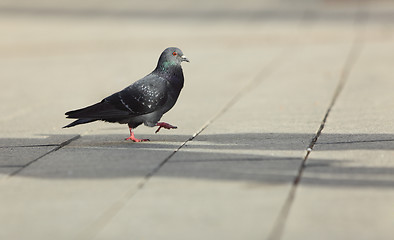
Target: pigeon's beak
{"type": "Point", "coordinates": [184, 59]}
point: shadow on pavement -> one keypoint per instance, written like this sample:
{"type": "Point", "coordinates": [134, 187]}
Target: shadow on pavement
{"type": "Point", "coordinates": [266, 158]}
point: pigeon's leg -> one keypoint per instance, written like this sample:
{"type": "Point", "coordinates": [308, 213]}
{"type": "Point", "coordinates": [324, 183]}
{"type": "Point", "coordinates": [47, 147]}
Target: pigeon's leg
{"type": "Point", "coordinates": [164, 125]}
{"type": "Point", "coordinates": [132, 137]}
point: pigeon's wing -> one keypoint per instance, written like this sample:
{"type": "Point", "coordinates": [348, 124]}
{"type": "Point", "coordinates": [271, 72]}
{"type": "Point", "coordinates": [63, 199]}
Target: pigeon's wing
{"type": "Point", "coordinates": [144, 96]}
{"type": "Point", "coordinates": [101, 110]}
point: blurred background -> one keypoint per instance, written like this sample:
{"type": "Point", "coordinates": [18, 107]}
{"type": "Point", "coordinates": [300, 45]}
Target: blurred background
{"type": "Point", "coordinates": [268, 68]}
{"type": "Point", "coordinates": [67, 54]}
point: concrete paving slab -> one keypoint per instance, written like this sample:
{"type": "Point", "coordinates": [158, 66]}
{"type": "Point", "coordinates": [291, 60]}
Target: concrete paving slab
{"type": "Point", "coordinates": [347, 187]}
{"type": "Point", "coordinates": [38, 140]}
{"type": "Point", "coordinates": [197, 212]}
{"type": "Point", "coordinates": [20, 156]}
{"type": "Point", "coordinates": [68, 180]}
{"type": "Point", "coordinates": [17, 154]}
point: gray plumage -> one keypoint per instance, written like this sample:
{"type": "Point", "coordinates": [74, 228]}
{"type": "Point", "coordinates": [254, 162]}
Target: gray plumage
{"type": "Point", "coordinates": [144, 101]}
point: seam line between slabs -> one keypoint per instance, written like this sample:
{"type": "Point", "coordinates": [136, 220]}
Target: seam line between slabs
{"type": "Point", "coordinates": [58, 146]}
{"type": "Point", "coordinates": [351, 58]}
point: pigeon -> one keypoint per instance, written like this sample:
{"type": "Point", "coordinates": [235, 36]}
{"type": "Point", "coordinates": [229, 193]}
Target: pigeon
{"type": "Point", "coordinates": [145, 101]}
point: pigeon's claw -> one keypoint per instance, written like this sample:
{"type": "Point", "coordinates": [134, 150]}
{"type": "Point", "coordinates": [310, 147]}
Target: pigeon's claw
{"type": "Point", "coordinates": [164, 125]}
{"type": "Point", "coordinates": [134, 139]}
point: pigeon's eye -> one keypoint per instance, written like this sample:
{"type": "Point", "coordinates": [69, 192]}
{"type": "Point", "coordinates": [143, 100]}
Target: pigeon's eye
{"type": "Point", "coordinates": [174, 53]}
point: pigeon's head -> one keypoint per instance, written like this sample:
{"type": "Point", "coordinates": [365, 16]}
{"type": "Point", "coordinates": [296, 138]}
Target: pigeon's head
{"type": "Point", "coordinates": [172, 56]}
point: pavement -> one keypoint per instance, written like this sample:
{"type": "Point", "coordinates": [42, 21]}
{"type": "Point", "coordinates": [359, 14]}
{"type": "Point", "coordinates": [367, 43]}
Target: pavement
{"type": "Point", "coordinates": [285, 123]}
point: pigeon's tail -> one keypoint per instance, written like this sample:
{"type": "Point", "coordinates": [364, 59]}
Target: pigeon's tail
{"type": "Point", "coordinates": [80, 121]}
{"type": "Point", "coordinates": [99, 111]}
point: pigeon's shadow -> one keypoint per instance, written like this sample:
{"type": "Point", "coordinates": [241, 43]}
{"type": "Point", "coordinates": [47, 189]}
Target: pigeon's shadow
{"type": "Point", "coordinates": [266, 158]}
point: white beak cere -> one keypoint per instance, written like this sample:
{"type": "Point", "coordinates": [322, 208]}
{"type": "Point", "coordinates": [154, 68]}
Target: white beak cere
{"type": "Point", "coordinates": [184, 59]}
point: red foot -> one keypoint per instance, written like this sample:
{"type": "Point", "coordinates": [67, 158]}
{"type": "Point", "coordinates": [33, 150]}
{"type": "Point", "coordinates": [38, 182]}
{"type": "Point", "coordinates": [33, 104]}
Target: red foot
{"type": "Point", "coordinates": [132, 138]}
{"type": "Point", "coordinates": [164, 125]}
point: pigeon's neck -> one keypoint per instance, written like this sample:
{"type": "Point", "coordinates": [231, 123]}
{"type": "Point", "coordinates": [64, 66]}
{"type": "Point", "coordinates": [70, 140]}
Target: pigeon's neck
{"type": "Point", "coordinates": [166, 66]}
{"type": "Point", "coordinates": [172, 72]}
